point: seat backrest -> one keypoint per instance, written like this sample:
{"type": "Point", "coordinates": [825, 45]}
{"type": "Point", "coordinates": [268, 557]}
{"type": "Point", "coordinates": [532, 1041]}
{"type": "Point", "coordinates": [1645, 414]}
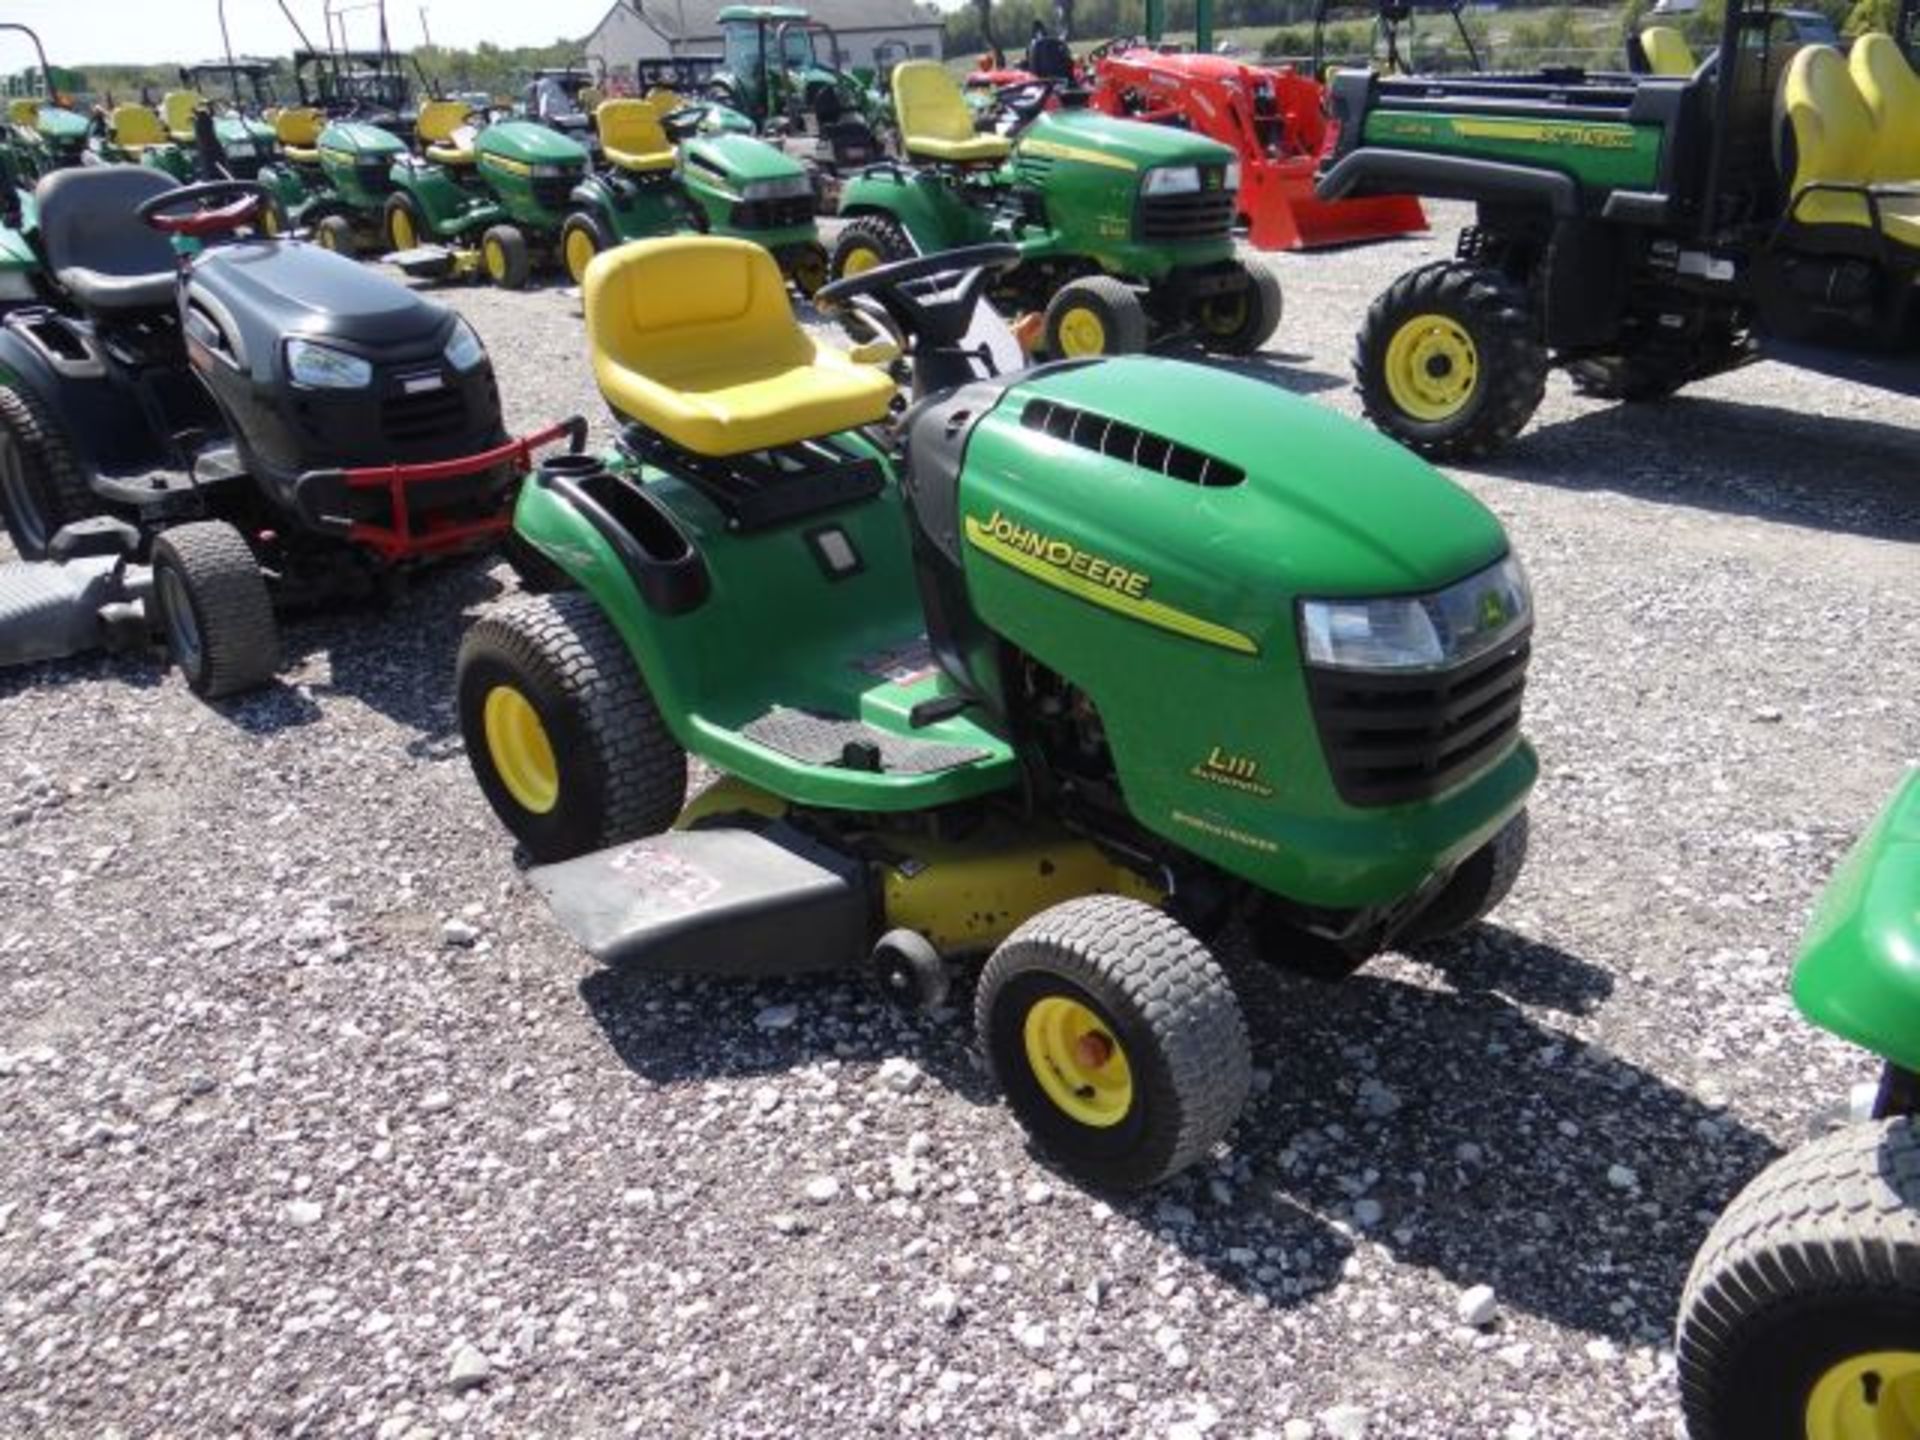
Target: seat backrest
{"type": "Point", "coordinates": [632, 126]}
{"type": "Point", "coordinates": [177, 106]}
{"type": "Point", "coordinates": [1666, 50]}
{"type": "Point", "coordinates": [589, 98]}
{"type": "Point", "coordinates": [23, 111]}
{"type": "Point", "coordinates": [1831, 127]}
{"type": "Point", "coordinates": [1892, 92]}
{"type": "Point", "coordinates": [87, 219]}
{"type": "Point", "coordinates": [928, 104]}
{"type": "Point", "coordinates": [663, 100]}
{"type": "Point", "coordinates": [438, 119]}
{"type": "Point", "coordinates": [669, 309]}
{"type": "Point", "coordinates": [136, 125]}
{"type": "Point", "coordinates": [298, 125]}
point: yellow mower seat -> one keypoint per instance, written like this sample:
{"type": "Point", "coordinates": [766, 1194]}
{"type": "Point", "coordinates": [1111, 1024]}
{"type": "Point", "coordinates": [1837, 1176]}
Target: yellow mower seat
{"type": "Point", "coordinates": [136, 128]}
{"type": "Point", "coordinates": [24, 112]}
{"type": "Point", "coordinates": [935, 123]}
{"type": "Point", "coordinates": [1666, 50]}
{"type": "Point", "coordinates": [435, 125]}
{"type": "Point", "coordinates": [1834, 143]}
{"type": "Point", "coordinates": [1892, 92]}
{"type": "Point", "coordinates": [298, 131]}
{"type": "Point", "coordinates": [176, 108]}
{"type": "Point", "coordinates": [693, 338]}
{"type": "Point", "coordinates": [632, 136]}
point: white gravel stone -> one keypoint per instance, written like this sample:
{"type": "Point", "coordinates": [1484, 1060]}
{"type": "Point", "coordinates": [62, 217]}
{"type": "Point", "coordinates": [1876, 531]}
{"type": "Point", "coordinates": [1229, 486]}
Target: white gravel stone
{"type": "Point", "coordinates": [1478, 1306]}
{"type": "Point", "coordinates": [458, 932]}
{"type": "Point", "coordinates": [469, 1370]}
{"type": "Point", "coordinates": [302, 1214]}
{"type": "Point", "coordinates": [1346, 1422]}
{"type": "Point", "coordinates": [1622, 1177]}
{"type": "Point", "coordinates": [777, 1017]}
{"type": "Point", "coordinates": [822, 1189]}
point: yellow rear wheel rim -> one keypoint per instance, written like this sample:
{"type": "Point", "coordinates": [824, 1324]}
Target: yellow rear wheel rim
{"type": "Point", "coordinates": [1870, 1396]}
{"type": "Point", "coordinates": [1078, 1061]}
{"type": "Point", "coordinates": [522, 754]}
{"type": "Point", "coordinates": [580, 253]}
{"type": "Point", "coordinates": [1432, 367]}
{"type": "Point", "coordinates": [1082, 332]}
{"type": "Point", "coordinates": [859, 260]}
{"type": "Point", "coordinates": [495, 256]}
{"type": "Point", "coordinates": [401, 227]}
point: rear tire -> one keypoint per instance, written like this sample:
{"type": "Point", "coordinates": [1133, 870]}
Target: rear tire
{"type": "Point", "coordinates": [1447, 361]}
{"type": "Point", "coordinates": [214, 609]}
{"type": "Point", "coordinates": [1475, 890]}
{"type": "Point", "coordinates": [1241, 323]}
{"type": "Point", "coordinates": [505, 257]}
{"type": "Point", "coordinates": [336, 233]}
{"type": "Point", "coordinates": [1113, 1008]}
{"type": "Point", "coordinates": [867, 242]}
{"type": "Point", "coordinates": [1814, 1268]}
{"type": "Point", "coordinates": [582, 238]}
{"type": "Point", "coordinates": [403, 222]}
{"type": "Point", "coordinates": [564, 738]}
{"type": "Point", "coordinates": [42, 486]}
{"type": "Point", "coordinates": [1097, 315]}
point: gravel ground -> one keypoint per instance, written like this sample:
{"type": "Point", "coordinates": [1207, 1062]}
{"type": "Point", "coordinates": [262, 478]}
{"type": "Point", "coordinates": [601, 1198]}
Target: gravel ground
{"type": "Point", "coordinates": [281, 1155]}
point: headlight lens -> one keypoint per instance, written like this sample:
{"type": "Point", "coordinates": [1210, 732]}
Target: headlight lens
{"type": "Point", "coordinates": [464, 350]}
{"type": "Point", "coordinates": [240, 150]}
{"type": "Point", "coordinates": [1231, 181]}
{"type": "Point", "coordinates": [787, 187]}
{"type": "Point", "coordinates": [323, 368]}
{"type": "Point", "coordinates": [1421, 632]}
{"type": "Point", "coordinates": [551, 172]}
{"type": "Point", "coordinates": [1172, 180]}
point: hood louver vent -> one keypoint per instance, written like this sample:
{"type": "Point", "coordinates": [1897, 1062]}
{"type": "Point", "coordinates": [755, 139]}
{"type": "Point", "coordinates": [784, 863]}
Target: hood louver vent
{"type": "Point", "coordinates": [1129, 443]}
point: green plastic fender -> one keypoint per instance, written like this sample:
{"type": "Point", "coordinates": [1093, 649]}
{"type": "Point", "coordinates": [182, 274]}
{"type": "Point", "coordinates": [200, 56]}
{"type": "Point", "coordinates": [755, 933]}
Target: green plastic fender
{"type": "Point", "coordinates": [924, 205]}
{"type": "Point", "coordinates": [643, 213]}
{"type": "Point", "coordinates": [453, 211]}
{"type": "Point", "coordinates": [1858, 974]}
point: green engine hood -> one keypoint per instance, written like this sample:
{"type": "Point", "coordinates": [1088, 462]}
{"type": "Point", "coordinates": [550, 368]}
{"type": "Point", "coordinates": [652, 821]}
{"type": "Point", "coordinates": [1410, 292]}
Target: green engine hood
{"type": "Point", "coordinates": [1859, 969]}
{"type": "Point", "coordinates": [1121, 141]}
{"type": "Point", "coordinates": [529, 143]}
{"type": "Point", "coordinates": [234, 129]}
{"type": "Point", "coordinates": [737, 160]}
{"type": "Point", "coordinates": [61, 125]}
{"type": "Point", "coordinates": [355, 137]}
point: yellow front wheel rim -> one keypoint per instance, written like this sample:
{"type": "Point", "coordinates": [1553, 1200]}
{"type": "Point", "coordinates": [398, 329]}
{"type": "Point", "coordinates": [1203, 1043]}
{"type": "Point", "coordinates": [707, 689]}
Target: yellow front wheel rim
{"type": "Point", "coordinates": [495, 256]}
{"type": "Point", "coordinates": [1078, 1061]}
{"type": "Point", "coordinates": [859, 260]}
{"type": "Point", "coordinates": [1082, 332]}
{"type": "Point", "coordinates": [402, 228]}
{"type": "Point", "coordinates": [580, 253]}
{"type": "Point", "coordinates": [1225, 317]}
{"type": "Point", "coordinates": [1432, 367]}
{"type": "Point", "coordinates": [1871, 1396]}
{"type": "Point", "coordinates": [522, 754]}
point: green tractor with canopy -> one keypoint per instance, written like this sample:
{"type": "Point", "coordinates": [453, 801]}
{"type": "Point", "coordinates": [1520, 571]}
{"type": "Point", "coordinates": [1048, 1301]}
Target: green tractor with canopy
{"type": "Point", "coordinates": [782, 70]}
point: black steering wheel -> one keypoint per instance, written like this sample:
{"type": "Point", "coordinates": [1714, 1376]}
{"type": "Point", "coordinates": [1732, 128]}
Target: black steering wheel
{"type": "Point", "coordinates": [907, 289]}
{"type": "Point", "coordinates": [245, 200]}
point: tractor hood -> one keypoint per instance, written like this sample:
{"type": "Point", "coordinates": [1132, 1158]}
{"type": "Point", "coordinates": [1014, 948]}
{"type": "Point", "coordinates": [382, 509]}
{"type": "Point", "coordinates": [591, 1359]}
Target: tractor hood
{"type": "Point", "coordinates": [735, 160]}
{"type": "Point", "coordinates": [238, 130]}
{"type": "Point", "coordinates": [272, 289]}
{"type": "Point", "coordinates": [361, 140]}
{"type": "Point", "coordinates": [61, 126]}
{"type": "Point", "coordinates": [528, 143]}
{"type": "Point", "coordinates": [1100, 139]}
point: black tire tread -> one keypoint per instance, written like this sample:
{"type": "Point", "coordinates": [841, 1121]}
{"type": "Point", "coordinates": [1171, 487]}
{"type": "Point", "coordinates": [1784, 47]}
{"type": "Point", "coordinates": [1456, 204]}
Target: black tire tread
{"type": "Point", "coordinates": [1461, 906]}
{"type": "Point", "coordinates": [1129, 329]}
{"type": "Point", "coordinates": [1268, 308]}
{"type": "Point", "coordinates": [513, 242]}
{"type": "Point", "coordinates": [238, 633]}
{"type": "Point", "coordinates": [66, 491]}
{"type": "Point", "coordinates": [1171, 980]}
{"type": "Point", "coordinates": [881, 233]}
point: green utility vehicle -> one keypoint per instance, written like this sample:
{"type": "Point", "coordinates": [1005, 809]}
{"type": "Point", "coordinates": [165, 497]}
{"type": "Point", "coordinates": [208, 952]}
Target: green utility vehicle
{"type": "Point", "coordinates": [1644, 230]}
{"type": "Point", "coordinates": [1124, 229]}
{"type": "Point", "coordinates": [1801, 1319]}
{"type": "Point", "coordinates": [782, 69]}
{"type": "Point", "coordinates": [938, 660]}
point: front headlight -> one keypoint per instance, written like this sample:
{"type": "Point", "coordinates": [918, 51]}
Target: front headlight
{"type": "Point", "coordinates": [1231, 180]}
{"type": "Point", "coordinates": [1420, 632]}
{"type": "Point", "coordinates": [1172, 180]}
{"type": "Point", "coordinates": [464, 350]}
{"type": "Point", "coordinates": [321, 367]}
{"type": "Point", "coordinates": [551, 172]}
{"type": "Point", "coordinates": [240, 150]}
{"type": "Point", "coordinates": [787, 187]}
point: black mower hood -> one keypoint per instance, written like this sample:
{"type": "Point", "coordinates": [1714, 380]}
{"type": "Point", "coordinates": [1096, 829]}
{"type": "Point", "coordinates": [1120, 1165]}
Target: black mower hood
{"type": "Point", "coordinates": [275, 289]}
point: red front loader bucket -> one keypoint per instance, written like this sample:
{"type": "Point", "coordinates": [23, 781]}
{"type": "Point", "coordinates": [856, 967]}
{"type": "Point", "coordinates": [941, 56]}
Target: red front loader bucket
{"type": "Point", "coordinates": [1283, 213]}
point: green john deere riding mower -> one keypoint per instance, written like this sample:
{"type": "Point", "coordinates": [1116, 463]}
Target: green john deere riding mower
{"type": "Point", "coordinates": [1643, 229]}
{"type": "Point", "coordinates": [1801, 1319]}
{"type": "Point", "coordinates": [1124, 229]}
{"type": "Point", "coordinates": [1077, 667]}
{"type": "Point", "coordinates": [243, 142]}
{"type": "Point", "coordinates": [40, 136]}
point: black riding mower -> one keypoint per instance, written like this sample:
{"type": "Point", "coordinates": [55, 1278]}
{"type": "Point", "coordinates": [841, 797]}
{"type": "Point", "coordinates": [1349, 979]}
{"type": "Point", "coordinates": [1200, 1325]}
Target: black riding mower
{"type": "Point", "coordinates": [200, 431]}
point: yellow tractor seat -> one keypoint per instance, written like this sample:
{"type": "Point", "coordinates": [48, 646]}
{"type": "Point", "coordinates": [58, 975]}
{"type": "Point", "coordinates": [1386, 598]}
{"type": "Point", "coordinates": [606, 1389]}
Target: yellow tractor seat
{"type": "Point", "coordinates": [663, 100]}
{"type": "Point", "coordinates": [1892, 92]}
{"type": "Point", "coordinates": [435, 126]}
{"type": "Point", "coordinates": [452, 154]}
{"type": "Point", "coordinates": [632, 136]}
{"type": "Point", "coordinates": [692, 337]}
{"type": "Point", "coordinates": [1666, 50]}
{"type": "Point", "coordinates": [298, 131]}
{"type": "Point", "coordinates": [24, 112]}
{"type": "Point", "coordinates": [176, 108]}
{"type": "Point", "coordinates": [935, 123]}
{"type": "Point", "coordinates": [137, 128]}
{"type": "Point", "coordinates": [1834, 140]}
{"type": "Point", "coordinates": [589, 98]}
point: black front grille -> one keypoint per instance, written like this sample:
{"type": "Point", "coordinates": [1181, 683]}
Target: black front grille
{"type": "Point", "coordinates": [374, 176]}
{"type": "Point", "coordinates": [773, 214]}
{"type": "Point", "coordinates": [1205, 215]}
{"type": "Point", "coordinates": [554, 192]}
{"type": "Point", "coordinates": [1395, 738]}
{"type": "Point", "coordinates": [411, 418]}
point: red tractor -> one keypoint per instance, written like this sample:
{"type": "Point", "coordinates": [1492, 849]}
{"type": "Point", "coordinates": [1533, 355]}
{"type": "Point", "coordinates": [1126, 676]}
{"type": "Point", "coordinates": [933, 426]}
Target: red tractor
{"type": "Point", "coordinates": [1275, 119]}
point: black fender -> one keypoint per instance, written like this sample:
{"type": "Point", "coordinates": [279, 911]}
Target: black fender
{"type": "Point", "coordinates": [1376, 171]}
{"type": "Point", "coordinates": [101, 420]}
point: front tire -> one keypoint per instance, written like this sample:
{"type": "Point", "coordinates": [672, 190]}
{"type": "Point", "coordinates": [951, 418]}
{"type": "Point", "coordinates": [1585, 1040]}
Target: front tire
{"type": "Point", "coordinates": [806, 266]}
{"type": "Point", "coordinates": [581, 238]}
{"type": "Point", "coordinates": [1240, 323]}
{"type": "Point", "coordinates": [336, 233]}
{"type": "Point", "coordinates": [1474, 890]}
{"type": "Point", "coordinates": [214, 608]}
{"type": "Point", "coordinates": [1448, 362]}
{"type": "Point", "coordinates": [1801, 1317]}
{"type": "Point", "coordinates": [1097, 315]}
{"type": "Point", "coordinates": [564, 738]}
{"type": "Point", "coordinates": [404, 222]}
{"type": "Point", "coordinates": [42, 486]}
{"type": "Point", "coordinates": [505, 257]}
{"type": "Point", "coordinates": [867, 242]}
{"type": "Point", "coordinates": [1117, 1038]}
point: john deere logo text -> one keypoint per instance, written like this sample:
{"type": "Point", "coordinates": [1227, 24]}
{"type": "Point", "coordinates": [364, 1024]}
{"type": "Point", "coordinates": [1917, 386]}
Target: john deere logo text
{"type": "Point", "coordinates": [1236, 772]}
{"type": "Point", "coordinates": [1067, 556]}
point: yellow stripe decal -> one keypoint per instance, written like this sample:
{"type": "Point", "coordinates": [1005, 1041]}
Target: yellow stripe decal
{"type": "Point", "coordinates": [1597, 137]}
{"type": "Point", "coordinates": [1053, 150]}
{"type": "Point", "coordinates": [501, 162]}
{"type": "Point", "coordinates": [1152, 612]}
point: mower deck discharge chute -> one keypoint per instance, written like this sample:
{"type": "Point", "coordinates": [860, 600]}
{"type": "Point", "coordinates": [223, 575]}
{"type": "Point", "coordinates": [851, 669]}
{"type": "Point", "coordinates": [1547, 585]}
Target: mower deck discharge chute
{"type": "Point", "coordinates": [208, 430]}
{"type": "Point", "coordinates": [938, 659]}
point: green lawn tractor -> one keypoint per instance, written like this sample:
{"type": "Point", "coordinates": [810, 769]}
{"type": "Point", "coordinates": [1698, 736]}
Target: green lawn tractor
{"type": "Point", "coordinates": [243, 141]}
{"type": "Point", "coordinates": [333, 178]}
{"type": "Point", "coordinates": [483, 199]}
{"type": "Point", "coordinates": [782, 69]}
{"type": "Point", "coordinates": [43, 132]}
{"type": "Point", "coordinates": [1643, 230]}
{"type": "Point", "coordinates": [1124, 229]}
{"type": "Point", "coordinates": [1075, 668]}
{"type": "Point", "coordinates": [1801, 1319]}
